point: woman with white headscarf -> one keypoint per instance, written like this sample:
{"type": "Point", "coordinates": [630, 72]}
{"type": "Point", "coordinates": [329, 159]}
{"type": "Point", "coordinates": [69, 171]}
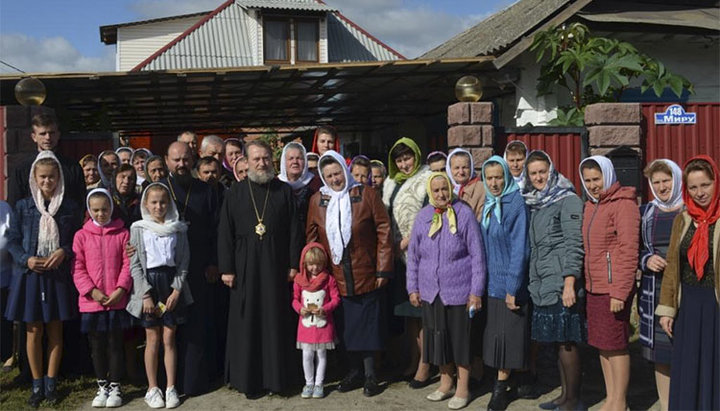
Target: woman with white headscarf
{"type": "Point", "coordinates": [665, 180]}
{"type": "Point", "coordinates": [294, 171]}
{"type": "Point", "coordinates": [467, 186]}
{"type": "Point", "coordinates": [349, 220]}
{"type": "Point", "coordinates": [108, 162]}
{"type": "Point", "coordinates": [611, 233]}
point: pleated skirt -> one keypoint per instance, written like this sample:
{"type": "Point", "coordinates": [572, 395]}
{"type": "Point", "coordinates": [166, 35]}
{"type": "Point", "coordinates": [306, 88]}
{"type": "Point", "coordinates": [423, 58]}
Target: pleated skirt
{"type": "Point", "coordinates": [41, 297]}
{"type": "Point", "coordinates": [447, 335]}
{"type": "Point", "coordinates": [506, 340]}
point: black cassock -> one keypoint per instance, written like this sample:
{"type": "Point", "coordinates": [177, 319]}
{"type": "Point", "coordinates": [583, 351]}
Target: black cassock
{"type": "Point", "coordinates": [197, 338]}
{"type": "Point", "coordinates": [261, 332]}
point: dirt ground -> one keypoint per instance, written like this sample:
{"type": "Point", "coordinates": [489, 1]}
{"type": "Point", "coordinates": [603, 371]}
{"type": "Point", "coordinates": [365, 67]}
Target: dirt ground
{"type": "Point", "coordinates": [398, 396]}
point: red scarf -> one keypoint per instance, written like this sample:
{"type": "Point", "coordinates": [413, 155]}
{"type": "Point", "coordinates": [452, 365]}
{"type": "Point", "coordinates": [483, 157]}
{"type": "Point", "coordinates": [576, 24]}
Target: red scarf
{"type": "Point", "coordinates": [698, 253]}
{"type": "Point", "coordinates": [303, 277]}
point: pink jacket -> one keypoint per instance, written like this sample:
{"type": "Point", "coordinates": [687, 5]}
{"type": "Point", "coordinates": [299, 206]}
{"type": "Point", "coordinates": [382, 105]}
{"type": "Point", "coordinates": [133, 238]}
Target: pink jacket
{"type": "Point", "coordinates": [313, 334]}
{"type": "Point", "coordinates": [611, 235]}
{"type": "Point", "coordinates": [101, 262]}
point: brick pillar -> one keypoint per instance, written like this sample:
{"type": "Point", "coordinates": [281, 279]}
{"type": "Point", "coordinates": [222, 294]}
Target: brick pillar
{"type": "Point", "coordinates": [470, 126]}
{"type": "Point", "coordinates": [16, 136]}
{"type": "Point", "coordinates": [611, 125]}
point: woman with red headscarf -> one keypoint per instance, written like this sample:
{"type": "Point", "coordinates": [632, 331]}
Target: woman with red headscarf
{"type": "Point", "coordinates": [688, 307]}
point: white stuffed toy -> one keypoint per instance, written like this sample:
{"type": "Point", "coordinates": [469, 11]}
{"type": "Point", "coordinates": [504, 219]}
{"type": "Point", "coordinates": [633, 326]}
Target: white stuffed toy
{"type": "Point", "coordinates": [313, 300]}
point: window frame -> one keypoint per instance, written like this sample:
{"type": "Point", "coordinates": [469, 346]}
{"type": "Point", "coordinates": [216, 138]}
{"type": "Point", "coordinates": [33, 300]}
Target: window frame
{"type": "Point", "coordinates": [292, 30]}
{"type": "Point", "coordinates": [288, 49]}
{"type": "Point", "coordinates": [317, 39]}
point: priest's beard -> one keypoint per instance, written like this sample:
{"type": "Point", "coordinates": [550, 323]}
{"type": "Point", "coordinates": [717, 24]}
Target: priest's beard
{"type": "Point", "coordinates": [184, 179]}
{"type": "Point", "coordinates": [260, 176]}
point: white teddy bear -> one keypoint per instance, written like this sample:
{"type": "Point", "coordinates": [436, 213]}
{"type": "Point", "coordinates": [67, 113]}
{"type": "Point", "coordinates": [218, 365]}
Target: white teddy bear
{"type": "Point", "coordinates": [312, 300]}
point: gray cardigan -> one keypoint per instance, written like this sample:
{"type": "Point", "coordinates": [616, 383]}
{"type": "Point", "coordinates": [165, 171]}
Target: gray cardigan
{"type": "Point", "coordinates": [138, 269]}
{"type": "Point", "coordinates": [556, 249]}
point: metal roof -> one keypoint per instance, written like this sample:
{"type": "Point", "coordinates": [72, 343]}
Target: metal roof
{"type": "Point", "coordinates": [309, 5]}
{"type": "Point", "coordinates": [355, 96]}
{"type": "Point", "coordinates": [108, 33]}
{"type": "Point", "coordinates": [221, 41]}
{"type": "Point", "coordinates": [677, 15]}
{"type": "Point", "coordinates": [348, 42]}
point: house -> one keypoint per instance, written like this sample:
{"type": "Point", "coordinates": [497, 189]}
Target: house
{"type": "Point", "coordinates": [242, 33]}
{"type": "Point", "coordinates": [685, 36]}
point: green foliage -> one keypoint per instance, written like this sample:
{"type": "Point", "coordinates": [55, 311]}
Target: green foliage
{"type": "Point", "coordinates": [595, 69]}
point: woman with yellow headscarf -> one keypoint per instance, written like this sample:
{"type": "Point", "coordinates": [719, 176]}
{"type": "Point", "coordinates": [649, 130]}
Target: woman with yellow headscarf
{"type": "Point", "coordinates": [446, 278]}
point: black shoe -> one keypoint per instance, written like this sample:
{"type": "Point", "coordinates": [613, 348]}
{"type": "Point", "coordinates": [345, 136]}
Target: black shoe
{"type": "Point", "coordinates": [36, 398]}
{"type": "Point", "coordinates": [255, 395]}
{"type": "Point", "coordinates": [499, 400]}
{"type": "Point", "coordinates": [415, 384]}
{"type": "Point", "coordinates": [51, 397]}
{"type": "Point", "coordinates": [371, 387]}
{"type": "Point", "coordinates": [526, 388]}
{"type": "Point", "coordinates": [351, 382]}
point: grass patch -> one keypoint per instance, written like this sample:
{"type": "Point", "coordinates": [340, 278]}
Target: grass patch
{"type": "Point", "coordinates": [74, 393]}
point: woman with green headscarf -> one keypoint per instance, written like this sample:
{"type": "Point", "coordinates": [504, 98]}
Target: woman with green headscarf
{"type": "Point", "coordinates": [446, 278]}
{"type": "Point", "coordinates": [504, 227]}
{"type": "Point", "coordinates": [404, 194]}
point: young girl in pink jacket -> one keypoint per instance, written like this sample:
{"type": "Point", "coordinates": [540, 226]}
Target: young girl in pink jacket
{"type": "Point", "coordinates": [101, 272]}
{"type": "Point", "coordinates": [315, 296]}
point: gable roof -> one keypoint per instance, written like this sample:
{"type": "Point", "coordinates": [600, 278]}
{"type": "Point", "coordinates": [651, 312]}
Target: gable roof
{"type": "Point", "coordinates": [108, 33]}
{"type": "Point", "coordinates": [223, 38]}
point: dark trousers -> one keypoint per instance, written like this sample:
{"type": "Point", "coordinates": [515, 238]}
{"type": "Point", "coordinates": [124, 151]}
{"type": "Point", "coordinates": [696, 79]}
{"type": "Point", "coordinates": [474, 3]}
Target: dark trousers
{"type": "Point", "coordinates": [107, 354]}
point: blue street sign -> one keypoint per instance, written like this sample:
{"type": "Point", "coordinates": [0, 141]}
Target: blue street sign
{"type": "Point", "coordinates": [675, 114]}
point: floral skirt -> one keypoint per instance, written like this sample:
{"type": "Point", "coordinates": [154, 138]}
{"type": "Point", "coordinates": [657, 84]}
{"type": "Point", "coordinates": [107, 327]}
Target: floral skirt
{"type": "Point", "coordinates": [557, 323]}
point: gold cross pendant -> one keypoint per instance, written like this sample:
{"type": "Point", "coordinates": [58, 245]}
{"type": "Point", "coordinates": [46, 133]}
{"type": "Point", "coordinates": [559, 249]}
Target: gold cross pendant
{"type": "Point", "coordinates": [260, 230]}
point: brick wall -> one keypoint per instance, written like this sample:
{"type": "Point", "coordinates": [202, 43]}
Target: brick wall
{"type": "Point", "coordinates": [470, 126]}
{"type": "Point", "coordinates": [611, 125]}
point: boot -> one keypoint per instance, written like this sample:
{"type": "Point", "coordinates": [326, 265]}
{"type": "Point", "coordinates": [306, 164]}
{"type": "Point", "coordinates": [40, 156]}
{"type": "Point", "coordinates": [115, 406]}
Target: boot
{"type": "Point", "coordinates": [499, 399]}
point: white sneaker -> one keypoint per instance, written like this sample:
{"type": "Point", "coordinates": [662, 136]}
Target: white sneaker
{"type": "Point", "coordinates": [154, 398]}
{"type": "Point", "coordinates": [114, 396]}
{"type": "Point", "coordinates": [102, 395]}
{"type": "Point", "coordinates": [171, 398]}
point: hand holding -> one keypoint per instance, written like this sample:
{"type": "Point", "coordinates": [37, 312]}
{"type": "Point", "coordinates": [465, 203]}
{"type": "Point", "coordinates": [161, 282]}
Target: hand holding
{"type": "Point", "coordinates": [98, 296]}
{"type": "Point", "coordinates": [36, 264]}
{"type": "Point", "coordinates": [474, 301]}
{"type": "Point", "coordinates": [415, 299]}
{"type": "Point", "coordinates": [55, 259]}
{"type": "Point", "coordinates": [115, 297]}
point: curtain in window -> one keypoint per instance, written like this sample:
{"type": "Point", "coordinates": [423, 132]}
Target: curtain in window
{"type": "Point", "coordinates": [307, 40]}
{"type": "Point", "coordinates": [276, 37]}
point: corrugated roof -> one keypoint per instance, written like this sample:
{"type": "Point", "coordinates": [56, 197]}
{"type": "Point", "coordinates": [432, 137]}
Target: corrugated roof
{"type": "Point", "coordinates": [348, 42]}
{"type": "Point", "coordinates": [498, 31]}
{"type": "Point", "coordinates": [678, 15]}
{"type": "Point", "coordinates": [310, 5]}
{"type": "Point", "coordinates": [221, 41]}
{"type": "Point", "coordinates": [108, 34]}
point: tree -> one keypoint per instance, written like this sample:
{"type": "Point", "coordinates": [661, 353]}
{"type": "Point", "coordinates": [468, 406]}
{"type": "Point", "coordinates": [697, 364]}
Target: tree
{"type": "Point", "coordinates": [595, 69]}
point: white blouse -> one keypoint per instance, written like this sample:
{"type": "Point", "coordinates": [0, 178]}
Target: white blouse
{"type": "Point", "coordinates": [159, 251]}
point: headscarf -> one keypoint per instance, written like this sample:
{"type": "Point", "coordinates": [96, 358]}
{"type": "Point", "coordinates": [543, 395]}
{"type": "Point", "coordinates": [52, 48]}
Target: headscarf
{"type": "Point", "coordinates": [457, 188]}
{"type": "Point", "coordinates": [172, 222]}
{"type": "Point", "coordinates": [338, 217]}
{"type": "Point", "coordinates": [315, 137]}
{"type": "Point", "coordinates": [520, 180]}
{"type": "Point", "coordinates": [119, 149]}
{"type": "Point", "coordinates": [368, 180]}
{"type": "Point", "coordinates": [138, 178]}
{"type": "Point", "coordinates": [492, 203]}
{"type": "Point", "coordinates": [675, 200]}
{"type": "Point", "coordinates": [556, 188]}
{"type": "Point", "coordinates": [235, 173]}
{"type": "Point", "coordinates": [303, 278]}
{"type": "Point", "coordinates": [608, 172]}
{"type": "Point", "coordinates": [436, 224]}
{"type": "Point", "coordinates": [150, 160]}
{"type": "Point", "coordinates": [306, 175]}
{"type": "Point", "coordinates": [104, 192]}
{"type": "Point", "coordinates": [393, 171]}
{"type": "Point", "coordinates": [103, 178]}
{"type": "Point", "coordinates": [48, 235]}
{"type": "Point", "coordinates": [87, 157]}
{"type": "Point", "coordinates": [440, 153]}
{"type": "Point", "coordinates": [698, 253]}
{"type": "Point", "coordinates": [225, 164]}
{"type": "Point", "coordinates": [380, 164]}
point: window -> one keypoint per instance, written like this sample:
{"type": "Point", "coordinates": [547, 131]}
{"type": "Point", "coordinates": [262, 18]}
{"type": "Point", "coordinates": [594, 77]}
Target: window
{"type": "Point", "coordinates": [290, 40]}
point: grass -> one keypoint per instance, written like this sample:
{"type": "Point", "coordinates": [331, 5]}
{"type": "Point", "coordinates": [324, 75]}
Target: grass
{"type": "Point", "coordinates": [74, 393]}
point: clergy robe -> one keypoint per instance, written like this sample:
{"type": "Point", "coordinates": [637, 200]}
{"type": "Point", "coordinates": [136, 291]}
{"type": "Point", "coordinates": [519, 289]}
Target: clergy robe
{"type": "Point", "coordinates": [261, 335]}
{"type": "Point", "coordinates": [196, 339]}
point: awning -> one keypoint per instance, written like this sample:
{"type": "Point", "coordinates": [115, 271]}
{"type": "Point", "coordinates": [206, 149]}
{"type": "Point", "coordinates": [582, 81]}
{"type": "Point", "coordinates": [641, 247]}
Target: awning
{"type": "Point", "coordinates": [354, 96]}
{"type": "Point", "coordinates": [677, 15]}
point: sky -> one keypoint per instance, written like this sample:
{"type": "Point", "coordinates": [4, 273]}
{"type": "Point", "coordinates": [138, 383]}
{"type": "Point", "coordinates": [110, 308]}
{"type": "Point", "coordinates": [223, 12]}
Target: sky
{"type": "Point", "coordinates": [64, 35]}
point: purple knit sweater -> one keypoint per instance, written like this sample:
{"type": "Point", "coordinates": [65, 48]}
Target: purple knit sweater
{"type": "Point", "coordinates": [452, 265]}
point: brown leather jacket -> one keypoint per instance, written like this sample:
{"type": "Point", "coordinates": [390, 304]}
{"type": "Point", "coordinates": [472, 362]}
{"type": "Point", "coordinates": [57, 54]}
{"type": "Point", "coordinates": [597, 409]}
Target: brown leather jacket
{"type": "Point", "coordinates": [370, 248]}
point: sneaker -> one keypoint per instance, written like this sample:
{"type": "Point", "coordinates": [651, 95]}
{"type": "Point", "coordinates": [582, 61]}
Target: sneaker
{"type": "Point", "coordinates": [171, 398]}
{"type": "Point", "coordinates": [154, 398]}
{"type": "Point", "coordinates": [114, 398]}
{"type": "Point", "coordinates": [102, 395]}
{"type": "Point", "coordinates": [318, 392]}
{"type": "Point", "coordinates": [36, 398]}
{"type": "Point", "coordinates": [51, 397]}
{"type": "Point", "coordinates": [307, 391]}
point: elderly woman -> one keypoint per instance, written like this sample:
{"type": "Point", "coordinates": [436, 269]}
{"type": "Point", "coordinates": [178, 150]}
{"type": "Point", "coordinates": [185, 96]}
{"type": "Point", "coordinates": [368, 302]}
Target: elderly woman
{"type": "Point", "coordinates": [89, 164]}
{"type": "Point", "coordinates": [404, 194]}
{"type": "Point", "coordinates": [155, 170]}
{"type": "Point", "coordinates": [446, 276]}
{"type": "Point", "coordinates": [137, 160]}
{"type": "Point", "coordinates": [349, 219]}
{"type": "Point", "coordinates": [466, 185]}
{"type": "Point", "coordinates": [665, 179]}
{"type": "Point", "coordinates": [124, 154]}
{"type": "Point", "coordinates": [504, 227]}
{"type": "Point", "coordinates": [611, 232]}
{"type": "Point", "coordinates": [556, 260]}
{"type": "Point", "coordinates": [294, 171]}
{"type": "Point", "coordinates": [108, 161]}
{"type": "Point", "coordinates": [689, 311]}
{"type": "Point", "coordinates": [126, 202]}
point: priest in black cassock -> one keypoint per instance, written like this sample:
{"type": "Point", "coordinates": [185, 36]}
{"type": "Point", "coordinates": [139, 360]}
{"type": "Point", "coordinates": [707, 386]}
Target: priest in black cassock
{"type": "Point", "coordinates": [259, 244]}
{"type": "Point", "coordinates": [196, 339]}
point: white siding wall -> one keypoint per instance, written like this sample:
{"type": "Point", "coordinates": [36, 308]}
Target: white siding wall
{"type": "Point", "coordinates": [260, 40]}
{"type": "Point", "coordinates": [323, 41]}
{"type": "Point", "coordinates": [255, 31]}
{"type": "Point", "coordinates": [136, 43]}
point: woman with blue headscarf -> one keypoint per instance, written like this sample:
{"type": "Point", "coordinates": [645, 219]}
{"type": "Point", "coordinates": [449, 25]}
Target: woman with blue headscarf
{"type": "Point", "coordinates": [504, 228]}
